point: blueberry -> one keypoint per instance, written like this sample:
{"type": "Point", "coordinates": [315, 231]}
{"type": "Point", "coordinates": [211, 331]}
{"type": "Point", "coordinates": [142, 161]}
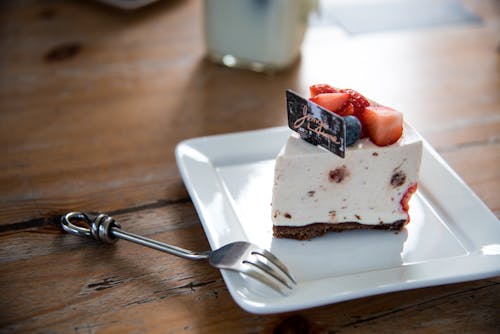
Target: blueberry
{"type": "Point", "coordinates": [352, 129]}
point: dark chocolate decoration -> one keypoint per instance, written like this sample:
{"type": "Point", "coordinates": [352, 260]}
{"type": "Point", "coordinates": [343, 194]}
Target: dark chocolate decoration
{"type": "Point", "coordinates": [315, 124]}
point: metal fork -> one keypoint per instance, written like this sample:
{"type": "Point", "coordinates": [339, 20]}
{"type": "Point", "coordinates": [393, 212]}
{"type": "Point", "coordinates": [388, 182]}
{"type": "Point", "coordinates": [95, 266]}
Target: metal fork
{"type": "Point", "coordinates": [240, 256]}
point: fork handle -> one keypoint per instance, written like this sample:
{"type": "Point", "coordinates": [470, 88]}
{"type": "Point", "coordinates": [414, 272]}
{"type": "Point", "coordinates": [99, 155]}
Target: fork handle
{"type": "Point", "coordinates": [105, 229]}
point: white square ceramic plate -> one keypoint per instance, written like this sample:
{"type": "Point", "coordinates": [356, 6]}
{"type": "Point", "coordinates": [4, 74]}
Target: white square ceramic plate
{"type": "Point", "coordinates": [452, 236]}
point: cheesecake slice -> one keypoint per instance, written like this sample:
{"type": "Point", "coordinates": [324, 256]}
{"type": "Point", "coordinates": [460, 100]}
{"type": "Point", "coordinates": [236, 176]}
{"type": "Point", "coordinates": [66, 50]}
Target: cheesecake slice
{"type": "Point", "coordinates": [316, 191]}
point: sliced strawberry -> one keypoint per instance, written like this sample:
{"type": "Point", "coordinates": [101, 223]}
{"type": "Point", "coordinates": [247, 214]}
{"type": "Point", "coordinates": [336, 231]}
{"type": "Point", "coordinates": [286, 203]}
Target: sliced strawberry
{"type": "Point", "coordinates": [358, 101]}
{"type": "Point", "coordinates": [335, 102]}
{"type": "Point", "coordinates": [321, 88]}
{"type": "Point", "coordinates": [383, 125]}
{"type": "Point", "coordinates": [346, 110]}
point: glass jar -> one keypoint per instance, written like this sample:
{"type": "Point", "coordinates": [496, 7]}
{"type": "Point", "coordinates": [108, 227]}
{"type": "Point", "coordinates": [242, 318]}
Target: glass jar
{"type": "Point", "coordinates": [261, 35]}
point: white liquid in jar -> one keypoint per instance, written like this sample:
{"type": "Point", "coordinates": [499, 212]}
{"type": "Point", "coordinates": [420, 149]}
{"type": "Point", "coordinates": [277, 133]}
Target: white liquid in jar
{"type": "Point", "coordinates": [257, 34]}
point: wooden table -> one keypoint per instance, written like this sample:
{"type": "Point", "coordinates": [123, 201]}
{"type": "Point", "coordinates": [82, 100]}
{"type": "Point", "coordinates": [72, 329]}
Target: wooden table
{"type": "Point", "coordinates": [93, 102]}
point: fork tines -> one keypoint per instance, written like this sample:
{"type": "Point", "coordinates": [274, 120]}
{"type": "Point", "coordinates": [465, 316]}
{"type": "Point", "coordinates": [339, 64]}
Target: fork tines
{"type": "Point", "coordinates": [271, 269]}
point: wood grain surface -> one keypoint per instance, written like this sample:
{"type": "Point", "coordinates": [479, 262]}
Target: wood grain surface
{"type": "Point", "coordinates": [93, 101]}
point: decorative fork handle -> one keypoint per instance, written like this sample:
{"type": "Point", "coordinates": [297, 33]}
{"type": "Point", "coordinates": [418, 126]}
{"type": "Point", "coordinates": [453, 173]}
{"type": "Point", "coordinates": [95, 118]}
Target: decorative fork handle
{"type": "Point", "coordinates": [105, 229]}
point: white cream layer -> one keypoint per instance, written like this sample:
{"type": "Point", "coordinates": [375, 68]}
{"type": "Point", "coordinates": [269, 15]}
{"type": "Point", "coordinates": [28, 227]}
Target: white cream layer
{"type": "Point", "coordinates": [313, 185]}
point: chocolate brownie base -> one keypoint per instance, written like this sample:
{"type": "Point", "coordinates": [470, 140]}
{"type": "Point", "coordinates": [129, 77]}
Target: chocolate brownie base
{"type": "Point", "coordinates": [316, 229]}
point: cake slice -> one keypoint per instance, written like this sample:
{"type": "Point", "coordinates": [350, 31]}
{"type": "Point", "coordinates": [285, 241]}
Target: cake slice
{"type": "Point", "coordinates": [316, 191]}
